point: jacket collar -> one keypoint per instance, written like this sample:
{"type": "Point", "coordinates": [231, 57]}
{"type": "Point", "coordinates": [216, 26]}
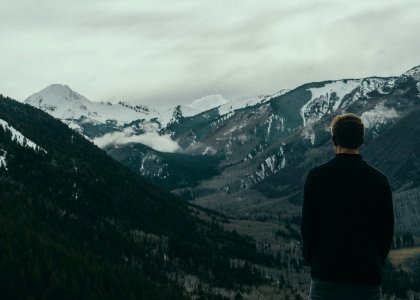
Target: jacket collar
{"type": "Point", "coordinates": [348, 156]}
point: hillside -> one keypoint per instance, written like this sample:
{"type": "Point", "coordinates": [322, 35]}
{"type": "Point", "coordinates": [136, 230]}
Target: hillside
{"type": "Point", "coordinates": [250, 160]}
{"type": "Point", "coordinates": [77, 224]}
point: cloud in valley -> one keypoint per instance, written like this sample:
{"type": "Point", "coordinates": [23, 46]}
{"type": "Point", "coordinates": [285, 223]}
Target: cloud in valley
{"type": "Point", "coordinates": [162, 143]}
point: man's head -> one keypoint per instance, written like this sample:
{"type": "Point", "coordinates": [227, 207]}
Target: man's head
{"type": "Point", "coordinates": [347, 131]}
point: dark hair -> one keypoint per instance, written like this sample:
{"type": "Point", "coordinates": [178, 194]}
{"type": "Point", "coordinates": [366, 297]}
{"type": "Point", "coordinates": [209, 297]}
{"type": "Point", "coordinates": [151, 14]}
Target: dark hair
{"type": "Point", "coordinates": [348, 131]}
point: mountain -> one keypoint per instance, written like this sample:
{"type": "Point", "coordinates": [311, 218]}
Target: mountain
{"type": "Point", "coordinates": [116, 126]}
{"type": "Point", "coordinates": [77, 224]}
{"type": "Point", "coordinates": [396, 153]}
{"type": "Point", "coordinates": [250, 158]}
{"type": "Point", "coordinates": [90, 118]}
{"type": "Point", "coordinates": [94, 119]}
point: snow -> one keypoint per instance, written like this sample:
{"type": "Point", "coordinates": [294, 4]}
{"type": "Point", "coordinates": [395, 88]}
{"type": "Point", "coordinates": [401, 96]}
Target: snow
{"type": "Point", "coordinates": [209, 151]}
{"type": "Point", "coordinates": [155, 166]}
{"type": "Point", "coordinates": [270, 121]}
{"type": "Point", "coordinates": [223, 118]}
{"type": "Point", "coordinates": [272, 164]}
{"type": "Point", "coordinates": [309, 134]}
{"type": "Point", "coordinates": [19, 137]}
{"type": "Point", "coordinates": [63, 103]}
{"type": "Point", "coordinates": [239, 103]}
{"type": "Point", "coordinates": [371, 84]}
{"type": "Point", "coordinates": [231, 106]}
{"type": "Point", "coordinates": [74, 109]}
{"type": "Point", "coordinates": [269, 161]}
{"type": "Point", "coordinates": [204, 104]}
{"type": "Point", "coordinates": [376, 83]}
{"type": "Point", "coordinates": [278, 94]}
{"type": "Point", "coordinates": [414, 72]}
{"type": "Point", "coordinates": [322, 96]}
{"type": "Point", "coordinates": [3, 162]}
{"type": "Point", "coordinates": [378, 115]}
{"type": "Point", "coordinates": [283, 161]}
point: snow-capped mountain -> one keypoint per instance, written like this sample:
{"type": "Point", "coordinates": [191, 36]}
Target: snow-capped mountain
{"type": "Point", "coordinates": [94, 119]}
{"type": "Point", "coordinates": [260, 147]}
{"type": "Point", "coordinates": [80, 113]}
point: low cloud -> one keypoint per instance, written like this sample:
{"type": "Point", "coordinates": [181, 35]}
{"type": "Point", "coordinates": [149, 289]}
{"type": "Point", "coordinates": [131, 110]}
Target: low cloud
{"type": "Point", "coordinates": [379, 115]}
{"type": "Point", "coordinates": [154, 140]}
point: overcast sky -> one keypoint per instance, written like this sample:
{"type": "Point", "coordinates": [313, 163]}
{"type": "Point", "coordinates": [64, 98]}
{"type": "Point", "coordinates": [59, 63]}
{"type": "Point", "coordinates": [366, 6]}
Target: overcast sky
{"type": "Point", "coordinates": [167, 52]}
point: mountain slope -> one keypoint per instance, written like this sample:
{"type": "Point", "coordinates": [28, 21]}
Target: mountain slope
{"type": "Point", "coordinates": [168, 170]}
{"type": "Point", "coordinates": [396, 153]}
{"type": "Point", "coordinates": [263, 150]}
{"type": "Point", "coordinates": [75, 223]}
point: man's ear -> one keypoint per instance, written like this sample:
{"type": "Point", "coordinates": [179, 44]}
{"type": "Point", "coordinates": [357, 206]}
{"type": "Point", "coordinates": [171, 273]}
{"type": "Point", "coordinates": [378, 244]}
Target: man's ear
{"type": "Point", "coordinates": [334, 139]}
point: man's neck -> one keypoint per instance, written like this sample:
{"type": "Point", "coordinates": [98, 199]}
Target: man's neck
{"type": "Point", "coordinates": [339, 150]}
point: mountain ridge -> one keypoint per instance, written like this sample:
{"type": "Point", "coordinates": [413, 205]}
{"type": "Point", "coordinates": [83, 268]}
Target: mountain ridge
{"type": "Point", "coordinates": [257, 145]}
{"type": "Point", "coordinates": [76, 223]}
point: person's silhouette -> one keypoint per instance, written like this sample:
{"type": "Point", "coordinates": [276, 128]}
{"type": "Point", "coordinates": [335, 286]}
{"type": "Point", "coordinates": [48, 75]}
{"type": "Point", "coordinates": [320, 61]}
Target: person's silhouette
{"type": "Point", "coordinates": [347, 219]}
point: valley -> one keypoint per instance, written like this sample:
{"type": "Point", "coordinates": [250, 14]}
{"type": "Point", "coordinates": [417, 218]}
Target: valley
{"type": "Point", "coordinates": [246, 161]}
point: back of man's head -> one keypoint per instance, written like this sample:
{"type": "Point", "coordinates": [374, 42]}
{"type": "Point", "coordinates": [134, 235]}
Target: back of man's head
{"type": "Point", "coordinates": [347, 131]}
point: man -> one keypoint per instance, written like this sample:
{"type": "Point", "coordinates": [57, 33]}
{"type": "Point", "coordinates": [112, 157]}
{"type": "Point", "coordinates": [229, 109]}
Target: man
{"type": "Point", "coordinates": [347, 219]}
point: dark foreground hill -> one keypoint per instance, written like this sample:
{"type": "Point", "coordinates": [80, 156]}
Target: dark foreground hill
{"type": "Point", "coordinates": [74, 223]}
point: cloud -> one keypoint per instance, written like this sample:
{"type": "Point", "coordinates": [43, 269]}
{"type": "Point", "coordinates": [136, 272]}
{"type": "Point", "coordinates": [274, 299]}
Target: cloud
{"type": "Point", "coordinates": [165, 53]}
{"type": "Point", "coordinates": [378, 115]}
{"type": "Point", "coordinates": [162, 143]}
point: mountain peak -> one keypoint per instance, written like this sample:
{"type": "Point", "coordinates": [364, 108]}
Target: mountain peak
{"type": "Point", "coordinates": [58, 87]}
{"type": "Point", "coordinates": [55, 94]}
{"type": "Point", "coordinates": [414, 72]}
{"type": "Point", "coordinates": [60, 101]}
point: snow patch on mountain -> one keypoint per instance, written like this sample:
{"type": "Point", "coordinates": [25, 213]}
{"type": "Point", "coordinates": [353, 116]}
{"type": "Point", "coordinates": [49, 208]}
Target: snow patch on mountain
{"type": "Point", "coordinates": [229, 107]}
{"type": "Point", "coordinates": [368, 85]}
{"type": "Point", "coordinates": [326, 99]}
{"type": "Point", "coordinates": [151, 138]}
{"type": "Point", "coordinates": [382, 85]}
{"type": "Point", "coordinates": [209, 151]}
{"type": "Point", "coordinates": [308, 133]}
{"type": "Point", "coordinates": [63, 103]}
{"type": "Point", "coordinates": [19, 137]}
{"type": "Point", "coordinates": [233, 105]}
{"type": "Point", "coordinates": [205, 103]}
{"type": "Point", "coordinates": [267, 98]}
{"type": "Point", "coordinates": [414, 72]}
{"type": "Point", "coordinates": [270, 165]}
{"type": "Point", "coordinates": [3, 162]}
{"type": "Point", "coordinates": [153, 166]}
{"type": "Point", "coordinates": [380, 114]}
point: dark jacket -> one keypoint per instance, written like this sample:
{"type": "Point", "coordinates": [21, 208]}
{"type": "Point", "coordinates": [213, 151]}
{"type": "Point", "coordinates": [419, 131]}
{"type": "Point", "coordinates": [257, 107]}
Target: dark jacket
{"type": "Point", "coordinates": [347, 220]}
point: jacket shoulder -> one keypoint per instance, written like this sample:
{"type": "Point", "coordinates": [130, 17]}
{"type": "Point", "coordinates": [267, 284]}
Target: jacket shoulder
{"type": "Point", "coordinates": [377, 173]}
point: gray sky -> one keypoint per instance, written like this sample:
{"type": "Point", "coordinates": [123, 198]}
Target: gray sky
{"type": "Point", "coordinates": [167, 52]}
